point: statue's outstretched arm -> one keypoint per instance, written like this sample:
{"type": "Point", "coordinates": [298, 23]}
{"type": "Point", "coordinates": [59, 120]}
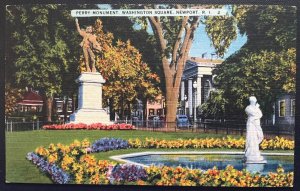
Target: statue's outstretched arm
{"type": "Point", "coordinates": [78, 28]}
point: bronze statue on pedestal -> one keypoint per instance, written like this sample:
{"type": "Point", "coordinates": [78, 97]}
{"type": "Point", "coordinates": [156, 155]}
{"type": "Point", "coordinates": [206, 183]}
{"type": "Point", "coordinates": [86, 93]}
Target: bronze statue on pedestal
{"type": "Point", "coordinates": [88, 44]}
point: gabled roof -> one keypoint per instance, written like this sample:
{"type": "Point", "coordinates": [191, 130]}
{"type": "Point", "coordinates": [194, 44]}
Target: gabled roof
{"type": "Point", "coordinates": [31, 98]}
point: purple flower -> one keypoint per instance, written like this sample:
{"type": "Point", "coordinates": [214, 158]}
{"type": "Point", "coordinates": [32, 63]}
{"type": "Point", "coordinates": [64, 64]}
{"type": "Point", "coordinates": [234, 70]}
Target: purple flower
{"type": "Point", "coordinates": [106, 144]}
{"type": "Point", "coordinates": [127, 173]}
{"type": "Point", "coordinates": [56, 173]}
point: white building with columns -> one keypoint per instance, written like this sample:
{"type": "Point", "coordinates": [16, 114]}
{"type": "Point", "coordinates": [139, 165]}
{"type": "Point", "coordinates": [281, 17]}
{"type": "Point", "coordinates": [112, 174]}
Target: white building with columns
{"type": "Point", "coordinates": [196, 84]}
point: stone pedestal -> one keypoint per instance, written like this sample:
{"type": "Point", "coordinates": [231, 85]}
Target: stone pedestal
{"type": "Point", "coordinates": [90, 100]}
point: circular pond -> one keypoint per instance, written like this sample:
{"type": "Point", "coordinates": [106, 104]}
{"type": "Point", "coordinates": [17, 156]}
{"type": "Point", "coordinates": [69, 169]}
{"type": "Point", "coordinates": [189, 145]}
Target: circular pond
{"type": "Point", "coordinates": [204, 161]}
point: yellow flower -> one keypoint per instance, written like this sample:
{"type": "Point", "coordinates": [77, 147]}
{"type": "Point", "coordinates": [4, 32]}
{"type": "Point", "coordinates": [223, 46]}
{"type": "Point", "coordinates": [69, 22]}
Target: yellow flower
{"type": "Point", "coordinates": [52, 158]}
{"type": "Point", "coordinates": [77, 143]}
{"type": "Point", "coordinates": [85, 143]}
{"type": "Point", "coordinates": [95, 179]}
{"type": "Point", "coordinates": [52, 148]}
{"type": "Point", "coordinates": [66, 162]}
{"type": "Point", "coordinates": [78, 178]}
{"type": "Point", "coordinates": [42, 151]}
{"type": "Point", "coordinates": [74, 152]}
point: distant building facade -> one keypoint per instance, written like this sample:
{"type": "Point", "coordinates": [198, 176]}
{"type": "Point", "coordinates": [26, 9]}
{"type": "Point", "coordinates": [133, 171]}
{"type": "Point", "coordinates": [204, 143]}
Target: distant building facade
{"type": "Point", "coordinates": [64, 107]}
{"type": "Point", "coordinates": [199, 71]}
{"type": "Point", "coordinates": [156, 107]}
{"type": "Point", "coordinates": [31, 102]}
{"type": "Point", "coordinates": [285, 109]}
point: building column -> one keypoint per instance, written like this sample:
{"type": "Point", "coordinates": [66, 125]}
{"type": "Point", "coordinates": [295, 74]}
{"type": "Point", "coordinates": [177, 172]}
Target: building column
{"type": "Point", "coordinates": [199, 90]}
{"type": "Point", "coordinates": [182, 91]}
{"type": "Point", "coordinates": [190, 96]}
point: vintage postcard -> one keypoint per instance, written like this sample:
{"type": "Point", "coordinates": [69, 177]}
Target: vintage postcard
{"type": "Point", "coordinates": [199, 95]}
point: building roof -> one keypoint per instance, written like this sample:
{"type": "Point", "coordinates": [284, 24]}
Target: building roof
{"type": "Point", "coordinates": [31, 98]}
{"type": "Point", "coordinates": [205, 60]}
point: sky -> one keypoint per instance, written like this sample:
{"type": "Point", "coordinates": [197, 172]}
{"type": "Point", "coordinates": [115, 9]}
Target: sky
{"type": "Point", "coordinates": [202, 44]}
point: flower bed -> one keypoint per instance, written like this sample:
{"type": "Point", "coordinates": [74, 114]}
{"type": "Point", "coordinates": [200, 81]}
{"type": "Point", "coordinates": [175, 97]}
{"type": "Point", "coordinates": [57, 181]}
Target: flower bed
{"type": "Point", "coordinates": [72, 164]}
{"type": "Point", "coordinates": [123, 173]}
{"type": "Point", "coordinates": [56, 173]}
{"type": "Point", "coordinates": [226, 142]}
{"type": "Point", "coordinates": [106, 144]}
{"type": "Point", "coordinates": [94, 126]}
{"type": "Point", "coordinates": [178, 176]}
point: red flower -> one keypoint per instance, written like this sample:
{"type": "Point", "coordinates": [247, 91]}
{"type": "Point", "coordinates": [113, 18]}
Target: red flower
{"type": "Point", "coordinates": [93, 126]}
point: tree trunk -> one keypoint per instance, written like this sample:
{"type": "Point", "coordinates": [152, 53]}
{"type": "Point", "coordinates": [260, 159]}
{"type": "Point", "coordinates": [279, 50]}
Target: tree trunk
{"type": "Point", "coordinates": [172, 91]}
{"type": "Point", "coordinates": [173, 70]}
{"type": "Point", "coordinates": [48, 109]}
{"type": "Point", "coordinates": [144, 102]}
{"type": "Point", "coordinates": [171, 103]}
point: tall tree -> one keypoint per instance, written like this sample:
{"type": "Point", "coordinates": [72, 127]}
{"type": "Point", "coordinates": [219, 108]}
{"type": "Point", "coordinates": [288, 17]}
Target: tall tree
{"type": "Point", "coordinates": [175, 37]}
{"type": "Point", "coordinates": [40, 39]}
{"type": "Point", "coordinates": [265, 75]}
{"type": "Point", "coordinates": [266, 65]}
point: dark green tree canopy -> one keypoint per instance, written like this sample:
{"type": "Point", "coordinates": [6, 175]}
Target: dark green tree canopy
{"type": "Point", "coordinates": [267, 27]}
{"type": "Point", "coordinates": [42, 49]}
{"type": "Point", "coordinates": [266, 65]}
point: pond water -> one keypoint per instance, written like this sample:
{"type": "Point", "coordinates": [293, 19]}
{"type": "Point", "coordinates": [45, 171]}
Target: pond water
{"type": "Point", "coordinates": [207, 161]}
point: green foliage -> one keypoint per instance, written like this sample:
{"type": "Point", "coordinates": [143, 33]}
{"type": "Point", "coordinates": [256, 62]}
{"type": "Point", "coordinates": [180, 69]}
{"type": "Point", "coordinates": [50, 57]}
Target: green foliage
{"type": "Point", "coordinates": [268, 27]}
{"type": "Point", "coordinates": [265, 66]}
{"type": "Point", "coordinates": [265, 75]}
{"type": "Point", "coordinates": [214, 107]}
{"type": "Point", "coordinates": [221, 31]}
{"type": "Point", "coordinates": [41, 47]}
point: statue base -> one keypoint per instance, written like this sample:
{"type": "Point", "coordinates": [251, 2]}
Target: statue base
{"type": "Point", "coordinates": [89, 116]}
{"type": "Point", "coordinates": [90, 100]}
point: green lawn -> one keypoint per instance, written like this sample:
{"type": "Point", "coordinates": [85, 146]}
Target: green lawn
{"type": "Point", "coordinates": [18, 144]}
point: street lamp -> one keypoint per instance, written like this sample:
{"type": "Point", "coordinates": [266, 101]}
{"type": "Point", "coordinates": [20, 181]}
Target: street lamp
{"type": "Point", "coordinates": [65, 99]}
{"type": "Point", "coordinates": [185, 98]}
{"type": "Point", "coordinates": [195, 105]}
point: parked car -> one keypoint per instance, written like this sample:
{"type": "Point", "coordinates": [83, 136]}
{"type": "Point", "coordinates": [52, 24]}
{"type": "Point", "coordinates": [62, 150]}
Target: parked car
{"type": "Point", "coordinates": [162, 118]}
{"type": "Point", "coordinates": [153, 117]}
{"type": "Point", "coordinates": [182, 121]}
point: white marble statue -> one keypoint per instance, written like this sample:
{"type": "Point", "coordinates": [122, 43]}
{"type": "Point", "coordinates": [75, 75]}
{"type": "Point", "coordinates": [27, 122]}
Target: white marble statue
{"type": "Point", "coordinates": [254, 134]}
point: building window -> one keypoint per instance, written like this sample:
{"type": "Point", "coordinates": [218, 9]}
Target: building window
{"type": "Point", "coordinates": [293, 107]}
{"type": "Point", "coordinates": [69, 106]}
{"type": "Point", "coordinates": [33, 108]}
{"type": "Point", "coordinates": [282, 108]}
{"type": "Point", "coordinates": [59, 106]}
{"type": "Point", "coordinates": [151, 111]}
{"type": "Point", "coordinates": [206, 89]}
{"type": "Point", "coordinates": [160, 112]}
